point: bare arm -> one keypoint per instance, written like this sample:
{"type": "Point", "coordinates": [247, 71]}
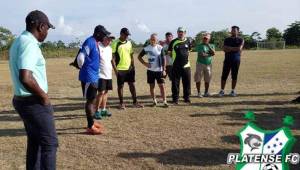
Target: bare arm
{"type": "Point", "coordinates": [114, 64]}
{"type": "Point", "coordinates": [140, 58]}
{"type": "Point", "coordinates": [29, 82]}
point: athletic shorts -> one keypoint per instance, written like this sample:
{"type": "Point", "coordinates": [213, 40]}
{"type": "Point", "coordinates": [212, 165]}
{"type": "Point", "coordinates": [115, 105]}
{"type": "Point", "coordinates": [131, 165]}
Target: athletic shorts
{"type": "Point", "coordinates": [89, 90]}
{"type": "Point", "coordinates": [203, 70]}
{"type": "Point", "coordinates": [155, 75]}
{"type": "Point", "coordinates": [104, 84]}
{"type": "Point", "coordinates": [125, 76]}
{"type": "Point", "coordinates": [230, 66]}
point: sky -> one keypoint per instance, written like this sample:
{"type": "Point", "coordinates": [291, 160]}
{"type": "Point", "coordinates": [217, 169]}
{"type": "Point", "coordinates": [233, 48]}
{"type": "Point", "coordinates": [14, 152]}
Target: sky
{"type": "Point", "coordinates": [76, 19]}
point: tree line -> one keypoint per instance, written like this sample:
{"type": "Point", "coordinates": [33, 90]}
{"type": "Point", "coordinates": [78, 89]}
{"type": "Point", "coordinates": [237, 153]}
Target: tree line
{"type": "Point", "coordinates": [291, 35]}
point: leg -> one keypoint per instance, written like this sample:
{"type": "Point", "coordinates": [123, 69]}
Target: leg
{"type": "Point", "coordinates": [152, 93]}
{"type": "Point", "coordinates": [234, 73]}
{"type": "Point", "coordinates": [175, 84]}
{"type": "Point", "coordinates": [99, 99]}
{"type": "Point", "coordinates": [120, 93]}
{"type": "Point", "coordinates": [162, 91]}
{"type": "Point", "coordinates": [104, 99]}
{"type": "Point", "coordinates": [186, 83]}
{"type": "Point", "coordinates": [120, 81]}
{"type": "Point", "coordinates": [207, 77]}
{"type": "Point", "coordinates": [132, 91]}
{"type": "Point", "coordinates": [197, 77]}
{"type": "Point", "coordinates": [225, 73]}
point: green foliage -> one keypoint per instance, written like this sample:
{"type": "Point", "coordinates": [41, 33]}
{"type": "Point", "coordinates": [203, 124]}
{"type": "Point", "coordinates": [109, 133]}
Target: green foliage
{"type": "Point", "coordinates": [273, 34]}
{"type": "Point", "coordinates": [292, 34]}
{"type": "Point", "coordinates": [6, 38]}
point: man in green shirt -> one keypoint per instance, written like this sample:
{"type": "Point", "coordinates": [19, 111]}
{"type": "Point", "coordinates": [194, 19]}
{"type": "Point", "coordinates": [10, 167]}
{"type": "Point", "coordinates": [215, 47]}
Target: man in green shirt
{"type": "Point", "coordinates": [204, 63]}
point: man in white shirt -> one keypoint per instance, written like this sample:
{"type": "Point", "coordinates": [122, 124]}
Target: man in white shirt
{"type": "Point", "coordinates": [156, 67]}
{"type": "Point", "coordinates": [105, 78]}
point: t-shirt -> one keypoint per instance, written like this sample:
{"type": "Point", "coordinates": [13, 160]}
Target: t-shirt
{"type": "Point", "coordinates": [233, 42]}
{"type": "Point", "coordinates": [105, 70]}
{"type": "Point", "coordinates": [180, 52]}
{"type": "Point", "coordinates": [89, 72]}
{"type": "Point", "coordinates": [155, 57]}
{"type": "Point", "coordinates": [25, 53]}
{"type": "Point", "coordinates": [203, 48]}
{"type": "Point", "coordinates": [122, 51]}
{"type": "Point", "coordinates": [169, 60]}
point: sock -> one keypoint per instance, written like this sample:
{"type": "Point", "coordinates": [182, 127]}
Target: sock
{"type": "Point", "coordinates": [90, 121]}
{"type": "Point", "coordinates": [103, 109]}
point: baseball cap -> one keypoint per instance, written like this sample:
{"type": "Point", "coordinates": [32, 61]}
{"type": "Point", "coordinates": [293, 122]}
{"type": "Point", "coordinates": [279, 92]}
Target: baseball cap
{"type": "Point", "coordinates": [100, 29]}
{"type": "Point", "coordinates": [37, 17]}
{"type": "Point", "coordinates": [125, 31]}
{"type": "Point", "coordinates": [181, 29]}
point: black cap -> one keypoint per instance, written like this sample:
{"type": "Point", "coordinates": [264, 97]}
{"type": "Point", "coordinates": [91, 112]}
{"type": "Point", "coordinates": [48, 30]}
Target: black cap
{"type": "Point", "coordinates": [99, 29]}
{"type": "Point", "coordinates": [37, 17]}
{"type": "Point", "coordinates": [125, 31]}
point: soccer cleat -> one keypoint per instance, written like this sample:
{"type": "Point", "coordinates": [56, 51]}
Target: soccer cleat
{"type": "Point", "coordinates": [122, 107]}
{"type": "Point", "coordinates": [206, 94]}
{"type": "Point", "coordinates": [154, 104]}
{"type": "Point", "coordinates": [187, 101]}
{"type": "Point", "coordinates": [138, 105]}
{"type": "Point", "coordinates": [199, 95]}
{"type": "Point", "coordinates": [175, 102]}
{"type": "Point", "coordinates": [97, 115]}
{"type": "Point", "coordinates": [166, 104]}
{"type": "Point", "coordinates": [221, 93]}
{"type": "Point", "coordinates": [105, 113]}
{"type": "Point", "coordinates": [233, 94]}
{"type": "Point", "coordinates": [95, 130]}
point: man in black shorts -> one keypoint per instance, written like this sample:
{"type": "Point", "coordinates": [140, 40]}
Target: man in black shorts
{"type": "Point", "coordinates": [123, 64]}
{"type": "Point", "coordinates": [232, 47]}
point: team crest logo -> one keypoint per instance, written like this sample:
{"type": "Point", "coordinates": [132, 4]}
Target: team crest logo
{"type": "Point", "coordinates": [265, 149]}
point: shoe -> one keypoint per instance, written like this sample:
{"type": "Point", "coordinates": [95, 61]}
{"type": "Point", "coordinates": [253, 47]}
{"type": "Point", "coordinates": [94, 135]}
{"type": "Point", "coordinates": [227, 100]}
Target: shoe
{"type": "Point", "coordinates": [221, 93]}
{"type": "Point", "coordinates": [105, 113]}
{"type": "Point", "coordinates": [187, 101]}
{"type": "Point", "coordinates": [138, 105]}
{"type": "Point", "coordinates": [98, 125]}
{"type": "Point", "coordinates": [154, 104]}
{"type": "Point", "coordinates": [97, 115]}
{"type": "Point", "coordinates": [175, 102]}
{"type": "Point", "coordinates": [122, 107]}
{"type": "Point", "coordinates": [206, 94]}
{"type": "Point", "coordinates": [199, 95]}
{"type": "Point", "coordinates": [166, 104]}
{"type": "Point", "coordinates": [233, 94]}
{"type": "Point", "coordinates": [94, 130]}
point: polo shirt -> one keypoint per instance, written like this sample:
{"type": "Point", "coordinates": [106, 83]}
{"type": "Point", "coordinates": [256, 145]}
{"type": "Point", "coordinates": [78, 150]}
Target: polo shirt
{"type": "Point", "coordinates": [122, 51]}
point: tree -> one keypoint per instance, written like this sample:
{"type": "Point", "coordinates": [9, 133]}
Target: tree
{"type": "Point", "coordinates": [6, 38]}
{"type": "Point", "coordinates": [273, 34]}
{"type": "Point", "coordinates": [256, 36]}
{"type": "Point", "coordinates": [75, 44]}
{"type": "Point", "coordinates": [48, 45]}
{"type": "Point", "coordinates": [60, 44]}
{"type": "Point", "coordinates": [292, 34]}
{"type": "Point", "coordinates": [218, 37]}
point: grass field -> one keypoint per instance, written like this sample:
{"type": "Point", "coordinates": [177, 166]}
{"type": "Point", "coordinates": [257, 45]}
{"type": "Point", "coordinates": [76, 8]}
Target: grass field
{"type": "Point", "coordinates": [196, 136]}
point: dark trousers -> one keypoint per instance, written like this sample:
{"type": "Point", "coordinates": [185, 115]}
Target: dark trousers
{"type": "Point", "coordinates": [185, 74]}
{"type": "Point", "coordinates": [42, 140]}
{"type": "Point", "coordinates": [230, 66]}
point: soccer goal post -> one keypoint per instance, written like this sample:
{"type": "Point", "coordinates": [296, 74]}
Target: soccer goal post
{"type": "Point", "coordinates": [270, 45]}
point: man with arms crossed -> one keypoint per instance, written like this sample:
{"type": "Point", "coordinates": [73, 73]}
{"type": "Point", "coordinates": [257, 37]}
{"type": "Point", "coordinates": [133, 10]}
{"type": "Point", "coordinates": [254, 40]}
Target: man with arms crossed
{"type": "Point", "coordinates": [204, 64]}
{"type": "Point", "coordinates": [233, 46]}
{"type": "Point", "coordinates": [28, 72]}
{"type": "Point", "coordinates": [156, 67]}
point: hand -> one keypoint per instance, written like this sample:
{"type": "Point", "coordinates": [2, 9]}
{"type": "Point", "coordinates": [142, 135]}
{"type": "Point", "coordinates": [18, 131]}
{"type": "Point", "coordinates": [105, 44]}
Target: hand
{"type": "Point", "coordinates": [148, 65]}
{"type": "Point", "coordinates": [164, 73]}
{"type": "Point", "coordinates": [116, 73]}
{"type": "Point", "coordinates": [45, 100]}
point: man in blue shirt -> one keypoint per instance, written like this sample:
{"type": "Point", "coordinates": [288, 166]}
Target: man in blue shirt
{"type": "Point", "coordinates": [233, 46]}
{"type": "Point", "coordinates": [28, 72]}
{"type": "Point", "coordinates": [88, 60]}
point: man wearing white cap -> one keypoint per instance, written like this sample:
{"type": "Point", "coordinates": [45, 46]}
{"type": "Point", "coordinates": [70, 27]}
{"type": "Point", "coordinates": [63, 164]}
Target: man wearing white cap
{"type": "Point", "coordinates": [204, 63]}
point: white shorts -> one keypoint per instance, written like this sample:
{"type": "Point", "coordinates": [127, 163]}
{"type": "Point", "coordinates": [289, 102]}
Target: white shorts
{"type": "Point", "coordinates": [203, 70]}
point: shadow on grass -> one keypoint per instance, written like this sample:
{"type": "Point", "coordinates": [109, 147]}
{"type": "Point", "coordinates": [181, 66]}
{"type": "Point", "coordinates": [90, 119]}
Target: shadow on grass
{"type": "Point", "coordinates": [186, 157]}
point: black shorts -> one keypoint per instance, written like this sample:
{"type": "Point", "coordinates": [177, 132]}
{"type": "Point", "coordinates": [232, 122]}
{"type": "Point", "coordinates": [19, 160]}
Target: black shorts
{"type": "Point", "coordinates": [230, 66]}
{"type": "Point", "coordinates": [89, 90]}
{"type": "Point", "coordinates": [125, 76]}
{"type": "Point", "coordinates": [104, 84]}
{"type": "Point", "coordinates": [155, 75]}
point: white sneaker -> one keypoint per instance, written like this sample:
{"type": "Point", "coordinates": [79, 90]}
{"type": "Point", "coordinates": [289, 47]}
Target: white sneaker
{"type": "Point", "coordinates": [221, 93]}
{"type": "Point", "coordinates": [232, 93]}
{"type": "Point", "coordinates": [199, 95]}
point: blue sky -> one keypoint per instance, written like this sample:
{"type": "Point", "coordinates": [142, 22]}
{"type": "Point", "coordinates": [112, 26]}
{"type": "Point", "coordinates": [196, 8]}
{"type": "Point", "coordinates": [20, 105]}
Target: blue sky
{"type": "Point", "coordinates": [77, 18]}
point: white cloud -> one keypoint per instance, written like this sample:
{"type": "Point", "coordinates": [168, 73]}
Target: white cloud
{"type": "Point", "coordinates": [66, 29]}
{"type": "Point", "coordinates": [142, 27]}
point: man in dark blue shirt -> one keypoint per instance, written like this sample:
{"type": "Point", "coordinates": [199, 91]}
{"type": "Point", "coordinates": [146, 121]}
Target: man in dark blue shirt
{"type": "Point", "coordinates": [233, 46]}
